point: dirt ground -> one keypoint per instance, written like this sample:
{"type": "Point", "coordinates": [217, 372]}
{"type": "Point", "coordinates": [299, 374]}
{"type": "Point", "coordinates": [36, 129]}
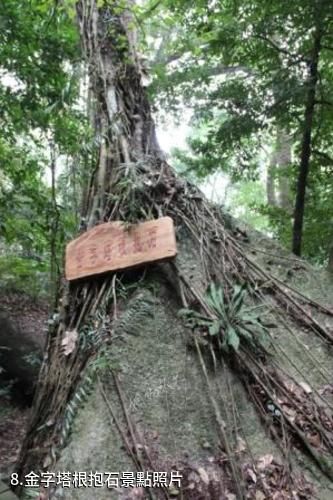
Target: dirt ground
{"type": "Point", "coordinates": [30, 317]}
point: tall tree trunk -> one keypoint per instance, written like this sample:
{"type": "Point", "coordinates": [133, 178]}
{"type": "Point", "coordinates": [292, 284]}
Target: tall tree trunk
{"type": "Point", "coordinates": [283, 164]}
{"type": "Point", "coordinates": [270, 180]}
{"type": "Point", "coordinates": [306, 146]}
{"type": "Point", "coordinates": [277, 182]}
{"type": "Point", "coordinates": [124, 125]}
{"type": "Point", "coordinates": [127, 147]}
{"type": "Point", "coordinates": [330, 259]}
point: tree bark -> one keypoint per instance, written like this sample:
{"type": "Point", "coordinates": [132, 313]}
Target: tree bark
{"type": "Point", "coordinates": [277, 182]}
{"type": "Point", "coordinates": [330, 259]}
{"type": "Point", "coordinates": [125, 127]}
{"type": "Point", "coordinates": [306, 146]}
{"type": "Point", "coordinates": [283, 164]}
{"type": "Point", "coordinates": [128, 148]}
{"type": "Point", "coordinates": [270, 181]}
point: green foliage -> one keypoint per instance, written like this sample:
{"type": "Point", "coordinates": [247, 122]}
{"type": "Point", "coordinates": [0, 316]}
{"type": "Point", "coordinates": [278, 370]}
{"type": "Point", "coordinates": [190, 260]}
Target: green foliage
{"type": "Point", "coordinates": [243, 67]}
{"type": "Point", "coordinates": [30, 493]}
{"type": "Point", "coordinates": [36, 40]}
{"type": "Point", "coordinates": [96, 332]}
{"type": "Point", "coordinates": [39, 117]}
{"type": "Point", "coordinates": [234, 322]}
{"type": "Point", "coordinates": [140, 309]}
{"type": "Point", "coordinates": [80, 397]}
{"type": "Point", "coordinates": [32, 359]}
{"type": "Point", "coordinates": [23, 274]}
{"type": "Point", "coordinates": [247, 201]}
{"type": "Point", "coordinates": [5, 392]}
{"type": "Point", "coordinates": [102, 363]}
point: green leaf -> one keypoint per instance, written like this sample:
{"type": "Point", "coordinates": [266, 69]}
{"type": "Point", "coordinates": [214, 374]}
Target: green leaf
{"type": "Point", "coordinates": [246, 335]}
{"type": "Point", "coordinates": [214, 328]}
{"type": "Point", "coordinates": [215, 300]}
{"type": "Point", "coordinates": [184, 312]}
{"type": "Point", "coordinates": [232, 338]}
{"type": "Point", "coordinates": [237, 300]}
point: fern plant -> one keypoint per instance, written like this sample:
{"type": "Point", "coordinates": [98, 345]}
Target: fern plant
{"type": "Point", "coordinates": [232, 321]}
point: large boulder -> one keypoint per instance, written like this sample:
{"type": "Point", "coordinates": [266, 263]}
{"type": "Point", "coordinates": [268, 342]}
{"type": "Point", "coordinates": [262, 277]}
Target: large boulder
{"type": "Point", "coordinates": [151, 399]}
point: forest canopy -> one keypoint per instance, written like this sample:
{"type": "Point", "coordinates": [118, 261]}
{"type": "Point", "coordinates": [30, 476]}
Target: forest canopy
{"type": "Point", "coordinates": [253, 79]}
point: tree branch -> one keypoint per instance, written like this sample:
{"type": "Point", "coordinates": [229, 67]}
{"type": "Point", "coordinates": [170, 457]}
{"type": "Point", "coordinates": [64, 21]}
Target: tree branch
{"type": "Point", "coordinates": [213, 71]}
{"type": "Point", "coordinates": [225, 70]}
{"type": "Point", "coordinates": [324, 102]}
{"type": "Point", "coordinates": [296, 57]}
{"type": "Point", "coordinates": [326, 157]}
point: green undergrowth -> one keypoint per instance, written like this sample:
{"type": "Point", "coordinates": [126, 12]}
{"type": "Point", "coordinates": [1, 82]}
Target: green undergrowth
{"type": "Point", "coordinates": [18, 274]}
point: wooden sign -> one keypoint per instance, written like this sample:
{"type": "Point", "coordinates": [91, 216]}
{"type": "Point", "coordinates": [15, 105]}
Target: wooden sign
{"type": "Point", "coordinates": [112, 247]}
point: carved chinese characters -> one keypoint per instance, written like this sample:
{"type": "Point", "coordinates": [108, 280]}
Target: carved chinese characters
{"type": "Point", "coordinates": [112, 246]}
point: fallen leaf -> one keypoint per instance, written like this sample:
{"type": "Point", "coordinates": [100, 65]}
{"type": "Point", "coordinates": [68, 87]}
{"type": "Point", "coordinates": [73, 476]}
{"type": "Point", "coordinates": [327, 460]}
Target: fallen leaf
{"type": "Point", "coordinates": [260, 495]}
{"type": "Point", "coordinates": [69, 341]}
{"type": "Point", "coordinates": [203, 474]}
{"type": "Point", "coordinates": [241, 445]}
{"type": "Point", "coordinates": [306, 388]}
{"type": "Point", "coordinates": [264, 461]}
{"type": "Point", "coordinates": [173, 492]}
{"type": "Point", "coordinates": [280, 495]}
{"type": "Point", "coordinates": [252, 475]}
{"type": "Point", "coordinates": [315, 440]}
{"type": "Point", "coordinates": [290, 385]}
{"type": "Point", "coordinates": [290, 412]}
{"type": "Point", "coordinates": [47, 461]}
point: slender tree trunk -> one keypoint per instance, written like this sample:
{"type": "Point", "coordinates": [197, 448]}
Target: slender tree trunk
{"type": "Point", "coordinates": [330, 259]}
{"type": "Point", "coordinates": [306, 146]}
{"type": "Point", "coordinates": [283, 164]}
{"type": "Point", "coordinates": [270, 181]}
{"type": "Point", "coordinates": [277, 182]}
{"type": "Point", "coordinates": [54, 226]}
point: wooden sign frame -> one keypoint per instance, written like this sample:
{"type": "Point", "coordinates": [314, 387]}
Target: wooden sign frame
{"type": "Point", "coordinates": [112, 247]}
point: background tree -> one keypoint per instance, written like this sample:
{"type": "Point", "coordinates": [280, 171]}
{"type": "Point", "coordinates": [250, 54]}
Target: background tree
{"type": "Point", "coordinates": [250, 70]}
{"type": "Point", "coordinates": [42, 127]}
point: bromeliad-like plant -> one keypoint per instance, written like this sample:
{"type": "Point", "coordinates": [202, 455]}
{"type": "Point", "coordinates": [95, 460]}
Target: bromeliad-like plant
{"type": "Point", "coordinates": [231, 321]}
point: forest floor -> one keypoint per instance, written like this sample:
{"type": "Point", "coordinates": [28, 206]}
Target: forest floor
{"type": "Point", "coordinates": [30, 315]}
{"type": "Point", "coordinates": [13, 422]}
